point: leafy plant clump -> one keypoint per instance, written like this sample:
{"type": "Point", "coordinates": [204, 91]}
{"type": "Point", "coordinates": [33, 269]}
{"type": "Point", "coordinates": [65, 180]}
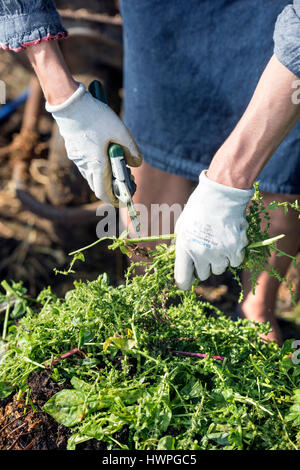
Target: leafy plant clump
{"type": "Point", "coordinates": [167, 369]}
{"type": "Point", "coordinates": [170, 370]}
{"type": "Point", "coordinates": [257, 253]}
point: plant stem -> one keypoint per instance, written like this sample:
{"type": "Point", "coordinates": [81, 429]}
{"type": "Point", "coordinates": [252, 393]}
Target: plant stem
{"type": "Point", "coordinates": [283, 253]}
{"type": "Point", "coordinates": [186, 353]}
{"type": "Point", "coordinates": [267, 241]}
{"type": "Point", "coordinates": [89, 246]}
{"type": "Point", "coordinates": [170, 236]}
{"type": "Point", "coordinates": [153, 238]}
{"type": "Point", "coordinates": [6, 320]}
{"type": "Point", "coordinates": [128, 241]}
{"type": "Point", "coordinates": [26, 359]}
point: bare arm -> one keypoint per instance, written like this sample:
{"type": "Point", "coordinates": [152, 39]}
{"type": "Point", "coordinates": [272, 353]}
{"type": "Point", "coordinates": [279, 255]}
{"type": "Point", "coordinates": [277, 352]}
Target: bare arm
{"type": "Point", "coordinates": [269, 117]}
{"type": "Point", "coordinates": [86, 125]}
{"type": "Point", "coordinates": [53, 74]}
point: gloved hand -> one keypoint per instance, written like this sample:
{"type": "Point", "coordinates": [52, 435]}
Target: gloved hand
{"type": "Point", "coordinates": [211, 231]}
{"type": "Point", "coordinates": [88, 126]}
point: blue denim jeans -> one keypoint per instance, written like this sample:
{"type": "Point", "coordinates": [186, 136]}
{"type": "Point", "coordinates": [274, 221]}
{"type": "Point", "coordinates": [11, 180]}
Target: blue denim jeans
{"type": "Point", "coordinates": [189, 73]}
{"type": "Point", "coordinates": [23, 22]}
{"type": "Point", "coordinates": [27, 22]}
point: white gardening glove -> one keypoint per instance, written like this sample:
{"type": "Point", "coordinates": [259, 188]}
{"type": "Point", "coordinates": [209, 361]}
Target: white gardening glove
{"type": "Point", "coordinates": [211, 232]}
{"type": "Point", "coordinates": [88, 126]}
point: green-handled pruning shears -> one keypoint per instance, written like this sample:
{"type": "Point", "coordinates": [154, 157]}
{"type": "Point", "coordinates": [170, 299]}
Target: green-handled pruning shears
{"type": "Point", "coordinates": [122, 183]}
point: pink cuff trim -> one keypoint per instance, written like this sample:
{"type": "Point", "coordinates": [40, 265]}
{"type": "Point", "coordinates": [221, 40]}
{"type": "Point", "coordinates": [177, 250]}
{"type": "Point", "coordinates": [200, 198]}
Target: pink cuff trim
{"type": "Point", "coordinates": [36, 41]}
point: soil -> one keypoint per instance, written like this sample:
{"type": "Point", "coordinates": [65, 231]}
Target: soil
{"type": "Point", "coordinates": [24, 426]}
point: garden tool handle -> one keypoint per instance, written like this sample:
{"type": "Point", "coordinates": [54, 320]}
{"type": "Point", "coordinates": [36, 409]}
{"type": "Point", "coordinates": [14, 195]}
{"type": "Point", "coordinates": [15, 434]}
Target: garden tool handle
{"type": "Point", "coordinates": [122, 182]}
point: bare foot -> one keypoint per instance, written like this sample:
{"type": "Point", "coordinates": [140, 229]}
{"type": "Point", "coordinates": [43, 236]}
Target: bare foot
{"type": "Point", "coordinates": [258, 314]}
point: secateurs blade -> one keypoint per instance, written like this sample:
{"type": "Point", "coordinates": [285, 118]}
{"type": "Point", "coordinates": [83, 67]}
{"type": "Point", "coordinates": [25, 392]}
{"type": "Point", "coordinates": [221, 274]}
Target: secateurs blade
{"type": "Point", "coordinates": [122, 181]}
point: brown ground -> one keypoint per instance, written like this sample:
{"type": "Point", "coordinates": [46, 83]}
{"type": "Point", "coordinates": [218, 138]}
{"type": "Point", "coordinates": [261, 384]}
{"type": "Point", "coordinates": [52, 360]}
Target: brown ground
{"type": "Point", "coordinates": [24, 426]}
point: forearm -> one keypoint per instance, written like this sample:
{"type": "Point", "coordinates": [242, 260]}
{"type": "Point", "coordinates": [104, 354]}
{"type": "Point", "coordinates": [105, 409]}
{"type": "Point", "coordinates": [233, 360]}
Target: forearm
{"type": "Point", "coordinates": [54, 76]}
{"type": "Point", "coordinates": [33, 25]}
{"type": "Point", "coordinates": [270, 116]}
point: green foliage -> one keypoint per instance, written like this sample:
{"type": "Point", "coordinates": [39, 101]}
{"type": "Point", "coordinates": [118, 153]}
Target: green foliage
{"type": "Point", "coordinates": [127, 377]}
{"type": "Point", "coordinates": [5, 390]}
{"type": "Point", "coordinates": [294, 414]}
{"type": "Point", "coordinates": [258, 252]}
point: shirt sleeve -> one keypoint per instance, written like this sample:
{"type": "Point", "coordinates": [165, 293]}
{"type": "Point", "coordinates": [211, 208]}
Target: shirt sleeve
{"type": "Point", "coordinates": [27, 22]}
{"type": "Point", "coordinates": [287, 37]}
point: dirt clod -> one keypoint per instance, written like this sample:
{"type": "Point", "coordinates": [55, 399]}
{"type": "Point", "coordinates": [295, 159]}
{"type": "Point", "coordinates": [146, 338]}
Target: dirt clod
{"type": "Point", "coordinates": [23, 424]}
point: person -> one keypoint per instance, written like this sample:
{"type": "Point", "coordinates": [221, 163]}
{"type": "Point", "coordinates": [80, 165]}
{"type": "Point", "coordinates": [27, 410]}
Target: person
{"type": "Point", "coordinates": [189, 73]}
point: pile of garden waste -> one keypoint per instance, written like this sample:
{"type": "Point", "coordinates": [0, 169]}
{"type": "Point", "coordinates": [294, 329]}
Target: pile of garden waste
{"type": "Point", "coordinates": [146, 366]}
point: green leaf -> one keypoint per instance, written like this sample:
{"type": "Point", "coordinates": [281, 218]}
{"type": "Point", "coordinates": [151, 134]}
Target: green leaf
{"type": "Point", "coordinates": [193, 388]}
{"type": "Point", "coordinates": [294, 414]}
{"type": "Point", "coordinates": [119, 342]}
{"type": "Point", "coordinates": [125, 251]}
{"type": "Point", "coordinates": [85, 336]}
{"type": "Point", "coordinates": [90, 362]}
{"type": "Point", "coordinates": [5, 390]}
{"type": "Point", "coordinates": [19, 309]}
{"type": "Point", "coordinates": [80, 257]}
{"type": "Point", "coordinates": [166, 443]}
{"type": "Point", "coordinates": [70, 407]}
{"type": "Point", "coordinates": [107, 343]}
{"type": "Point", "coordinates": [220, 437]}
{"type": "Point", "coordinates": [287, 347]}
{"type": "Point", "coordinates": [76, 439]}
{"type": "Point", "coordinates": [163, 416]}
{"type": "Point", "coordinates": [273, 205]}
{"type": "Point", "coordinates": [79, 384]}
{"type": "Point", "coordinates": [105, 427]}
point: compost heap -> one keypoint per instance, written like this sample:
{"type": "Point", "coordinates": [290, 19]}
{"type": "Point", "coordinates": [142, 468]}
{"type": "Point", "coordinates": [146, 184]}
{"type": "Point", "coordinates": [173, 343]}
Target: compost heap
{"type": "Point", "coordinates": [171, 371]}
{"type": "Point", "coordinates": [146, 366]}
